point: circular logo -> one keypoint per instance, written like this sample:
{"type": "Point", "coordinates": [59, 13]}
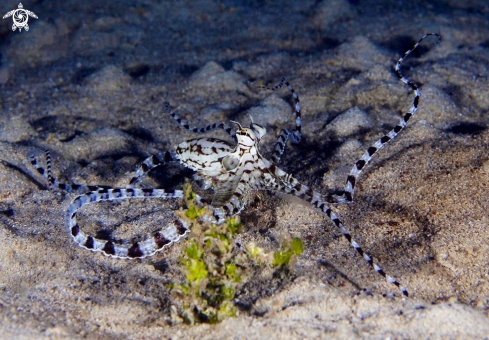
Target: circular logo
{"type": "Point", "coordinates": [20, 17]}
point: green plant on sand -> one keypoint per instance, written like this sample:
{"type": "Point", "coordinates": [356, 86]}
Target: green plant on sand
{"type": "Point", "coordinates": [215, 268]}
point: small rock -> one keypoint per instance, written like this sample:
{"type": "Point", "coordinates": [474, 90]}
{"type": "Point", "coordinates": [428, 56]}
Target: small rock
{"type": "Point", "coordinates": [361, 54]}
{"type": "Point", "coordinates": [350, 122]}
{"type": "Point", "coordinates": [108, 79]}
{"type": "Point", "coordinates": [212, 78]}
{"type": "Point", "coordinates": [96, 144]}
{"type": "Point", "coordinates": [273, 110]}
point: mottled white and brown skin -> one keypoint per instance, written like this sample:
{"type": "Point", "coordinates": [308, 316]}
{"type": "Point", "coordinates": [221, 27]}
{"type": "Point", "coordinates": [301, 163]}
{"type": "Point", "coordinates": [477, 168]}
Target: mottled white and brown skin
{"type": "Point", "coordinates": [232, 172]}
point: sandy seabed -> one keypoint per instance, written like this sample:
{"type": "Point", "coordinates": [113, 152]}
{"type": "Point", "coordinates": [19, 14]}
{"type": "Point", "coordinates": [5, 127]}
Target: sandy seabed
{"type": "Point", "coordinates": [88, 81]}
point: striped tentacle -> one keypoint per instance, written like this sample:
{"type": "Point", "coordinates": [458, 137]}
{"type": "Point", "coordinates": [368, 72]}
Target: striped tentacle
{"type": "Point", "coordinates": [294, 136]}
{"type": "Point", "coordinates": [230, 131]}
{"type": "Point", "coordinates": [156, 242]}
{"type": "Point", "coordinates": [292, 186]}
{"type": "Point", "coordinates": [150, 163]}
{"type": "Point", "coordinates": [347, 195]}
{"type": "Point", "coordinates": [53, 182]}
{"type": "Point", "coordinates": [237, 202]}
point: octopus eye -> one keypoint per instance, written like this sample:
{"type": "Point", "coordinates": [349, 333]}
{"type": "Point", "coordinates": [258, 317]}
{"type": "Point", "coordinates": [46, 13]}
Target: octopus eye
{"type": "Point", "coordinates": [230, 162]}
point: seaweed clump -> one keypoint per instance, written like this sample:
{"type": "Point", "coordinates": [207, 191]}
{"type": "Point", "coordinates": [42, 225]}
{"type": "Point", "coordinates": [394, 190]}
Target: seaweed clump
{"type": "Point", "coordinates": [216, 267]}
